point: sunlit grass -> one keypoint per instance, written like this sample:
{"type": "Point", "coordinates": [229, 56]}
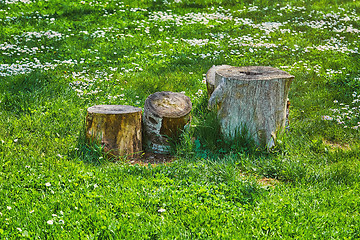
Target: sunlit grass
{"type": "Point", "coordinates": [57, 58]}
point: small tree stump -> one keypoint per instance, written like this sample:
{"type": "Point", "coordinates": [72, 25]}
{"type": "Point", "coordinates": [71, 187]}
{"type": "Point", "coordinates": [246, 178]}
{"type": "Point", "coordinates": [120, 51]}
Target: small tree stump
{"type": "Point", "coordinates": [165, 115]}
{"type": "Point", "coordinates": [116, 127]}
{"type": "Point", "coordinates": [254, 98]}
{"type": "Point", "coordinates": [210, 78]}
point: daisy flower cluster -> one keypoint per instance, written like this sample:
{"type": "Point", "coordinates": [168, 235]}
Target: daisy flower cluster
{"type": "Point", "coordinates": [346, 115]}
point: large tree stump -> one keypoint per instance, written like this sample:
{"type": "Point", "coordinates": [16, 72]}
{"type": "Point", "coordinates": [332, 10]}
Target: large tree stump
{"type": "Point", "coordinates": [254, 98]}
{"type": "Point", "coordinates": [116, 127]}
{"type": "Point", "coordinates": [210, 78]}
{"type": "Point", "coordinates": [165, 115]}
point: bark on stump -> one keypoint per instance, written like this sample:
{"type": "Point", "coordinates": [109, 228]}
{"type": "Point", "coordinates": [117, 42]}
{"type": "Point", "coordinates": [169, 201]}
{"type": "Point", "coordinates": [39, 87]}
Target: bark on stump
{"type": "Point", "coordinates": [117, 128]}
{"type": "Point", "coordinates": [254, 98]}
{"type": "Point", "coordinates": [210, 78]}
{"type": "Point", "coordinates": [165, 115]}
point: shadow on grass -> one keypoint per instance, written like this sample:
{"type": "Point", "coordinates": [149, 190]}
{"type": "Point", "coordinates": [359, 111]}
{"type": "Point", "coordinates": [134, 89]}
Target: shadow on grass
{"type": "Point", "coordinates": [22, 92]}
{"type": "Point", "coordinates": [89, 152]}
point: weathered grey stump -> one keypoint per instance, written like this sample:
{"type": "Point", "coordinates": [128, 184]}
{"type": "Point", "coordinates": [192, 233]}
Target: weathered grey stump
{"type": "Point", "coordinates": [254, 98]}
{"type": "Point", "coordinates": [210, 78]}
{"type": "Point", "coordinates": [165, 115]}
{"type": "Point", "coordinates": [117, 128]}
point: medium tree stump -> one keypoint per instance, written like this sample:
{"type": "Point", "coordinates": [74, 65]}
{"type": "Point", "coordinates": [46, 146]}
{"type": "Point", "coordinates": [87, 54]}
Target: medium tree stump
{"type": "Point", "coordinates": [254, 98]}
{"type": "Point", "coordinates": [165, 115]}
{"type": "Point", "coordinates": [210, 78]}
{"type": "Point", "coordinates": [116, 127]}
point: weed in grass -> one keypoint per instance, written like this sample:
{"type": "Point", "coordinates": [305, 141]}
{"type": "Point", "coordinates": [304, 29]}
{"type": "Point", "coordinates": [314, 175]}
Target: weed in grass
{"type": "Point", "coordinates": [204, 139]}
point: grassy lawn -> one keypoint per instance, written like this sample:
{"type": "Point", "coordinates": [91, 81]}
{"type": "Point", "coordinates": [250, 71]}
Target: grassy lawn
{"type": "Point", "coordinates": [57, 58]}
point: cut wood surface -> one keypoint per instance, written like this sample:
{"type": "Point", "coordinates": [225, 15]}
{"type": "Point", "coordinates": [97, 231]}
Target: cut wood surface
{"type": "Point", "coordinates": [116, 127]}
{"type": "Point", "coordinates": [165, 115]}
{"type": "Point", "coordinates": [254, 98]}
{"type": "Point", "coordinates": [210, 78]}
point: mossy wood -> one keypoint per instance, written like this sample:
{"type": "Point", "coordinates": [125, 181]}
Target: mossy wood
{"type": "Point", "coordinates": [254, 98]}
{"type": "Point", "coordinates": [117, 128]}
{"type": "Point", "coordinates": [165, 115]}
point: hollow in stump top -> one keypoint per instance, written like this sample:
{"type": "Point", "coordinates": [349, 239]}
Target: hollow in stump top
{"type": "Point", "coordinates": [253, 73]}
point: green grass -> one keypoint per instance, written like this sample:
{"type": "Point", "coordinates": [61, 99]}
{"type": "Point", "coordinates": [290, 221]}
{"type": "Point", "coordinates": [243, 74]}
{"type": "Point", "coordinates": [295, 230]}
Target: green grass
{"type": "Point", "coordinates": [55, 186]}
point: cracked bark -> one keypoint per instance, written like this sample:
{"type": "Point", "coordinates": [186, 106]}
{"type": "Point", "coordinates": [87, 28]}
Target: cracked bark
{"type": "Point", "coordinates": [165, 115]}
{"type": "Point", "coordinates": [117, 128]}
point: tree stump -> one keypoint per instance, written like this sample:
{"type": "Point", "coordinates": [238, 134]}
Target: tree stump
{"type": "Point", "coordinates": [116, 127]}
{"type": "Point", "coordinates": [251, 98]}
{"type": "Point", "coordinates": [165, 115]}
{"type": "Point", "coordinates": [210, 78]}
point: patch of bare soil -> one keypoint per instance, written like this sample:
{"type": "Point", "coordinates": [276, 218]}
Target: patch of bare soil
{"type": "Point", "coordinates": [334, 146]}
{"type": "Point", "coordinates": [268, 182]}
{"type": "Point", "coordinates": [153, 159]}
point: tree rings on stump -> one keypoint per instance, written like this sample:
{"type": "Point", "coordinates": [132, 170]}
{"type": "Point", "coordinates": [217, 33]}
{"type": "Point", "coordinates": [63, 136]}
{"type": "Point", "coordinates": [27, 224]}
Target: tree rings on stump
{"type": "Point", "coordinates": [117, 128]}
{"type": "Point", "coordinates": [165, 115]}
{"type": "Point", "coordinates": [254, 98]}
